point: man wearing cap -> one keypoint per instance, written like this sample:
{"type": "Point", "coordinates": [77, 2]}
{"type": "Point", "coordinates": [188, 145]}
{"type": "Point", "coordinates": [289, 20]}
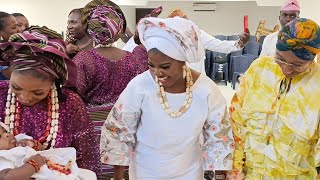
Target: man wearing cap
{"type": "Point", "coordinates": [289, 11]}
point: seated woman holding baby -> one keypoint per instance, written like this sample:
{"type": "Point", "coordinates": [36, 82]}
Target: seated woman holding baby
{"type": "Point", "coordinates": [35, 101]}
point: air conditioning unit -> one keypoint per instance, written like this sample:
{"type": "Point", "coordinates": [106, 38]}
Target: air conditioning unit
{"type": "Point", "coordinates": [204, 6]}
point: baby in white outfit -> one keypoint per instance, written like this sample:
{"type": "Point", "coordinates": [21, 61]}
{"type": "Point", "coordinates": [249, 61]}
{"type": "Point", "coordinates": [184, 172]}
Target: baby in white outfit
{"type": "Point", "coordinates": [18, 162]}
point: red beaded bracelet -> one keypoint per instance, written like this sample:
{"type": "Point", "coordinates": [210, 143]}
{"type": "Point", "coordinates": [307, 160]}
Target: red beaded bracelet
{"type": "Point", "coordinates": [34, 164]}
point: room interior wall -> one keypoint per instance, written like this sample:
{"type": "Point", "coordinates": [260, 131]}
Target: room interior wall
{"type": "Point", "coordinates": [227, 19]}
{"type": "Point", "coordinates": [50, 13]}
{"type": "Point", "coordinates": [310, 9]}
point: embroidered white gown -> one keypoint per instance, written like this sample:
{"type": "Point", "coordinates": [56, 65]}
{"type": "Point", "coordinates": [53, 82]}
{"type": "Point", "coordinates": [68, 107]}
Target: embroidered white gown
{"type": "Point", "coordinates": [140, 134]}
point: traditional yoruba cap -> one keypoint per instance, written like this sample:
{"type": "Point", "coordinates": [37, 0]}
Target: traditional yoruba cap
{"type": "Point", "coordinates": [302, 37]}
{"type": "Point", "coordinates": [291, 5]}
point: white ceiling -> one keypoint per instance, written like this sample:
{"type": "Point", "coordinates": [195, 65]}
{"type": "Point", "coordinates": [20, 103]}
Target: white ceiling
{"type": "Point", "coordinates": [131, 2]}
{"type": "Point", "coordinates": [145, 2]}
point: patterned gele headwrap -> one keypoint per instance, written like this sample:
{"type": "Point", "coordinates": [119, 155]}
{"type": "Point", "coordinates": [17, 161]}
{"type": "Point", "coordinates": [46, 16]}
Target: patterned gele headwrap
{"type": "Point", "coordinates": [302, 37]}
{"type": "Point", "coordinates": [42, 50]}
{"type": "Point", "coordinates": [104, 21]}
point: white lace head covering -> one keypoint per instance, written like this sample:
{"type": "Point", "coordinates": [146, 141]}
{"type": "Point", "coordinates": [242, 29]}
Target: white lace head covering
{"type": "Point", "coordinates": [176, 37]}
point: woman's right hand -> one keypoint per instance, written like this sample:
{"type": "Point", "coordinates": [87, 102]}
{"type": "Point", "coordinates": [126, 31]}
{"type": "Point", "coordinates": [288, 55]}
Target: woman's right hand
{"type": "Point", "coordinates": [39, 159]}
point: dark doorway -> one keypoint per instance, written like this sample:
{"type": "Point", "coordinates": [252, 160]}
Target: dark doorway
{"type": "Point", "coordinates": [142, 12]}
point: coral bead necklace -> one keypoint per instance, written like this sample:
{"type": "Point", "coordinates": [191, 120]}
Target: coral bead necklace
{"type": "Point", "coordinates": [13, 116]}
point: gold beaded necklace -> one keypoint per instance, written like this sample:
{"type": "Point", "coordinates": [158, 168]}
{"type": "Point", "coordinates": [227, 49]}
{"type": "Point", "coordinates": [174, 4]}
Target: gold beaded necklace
{"type": "Point", "coordinates": [164, 100]}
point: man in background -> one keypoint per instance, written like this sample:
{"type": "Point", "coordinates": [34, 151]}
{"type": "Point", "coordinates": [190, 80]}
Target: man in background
{"type": "Point", "coordinates": [289, 11]}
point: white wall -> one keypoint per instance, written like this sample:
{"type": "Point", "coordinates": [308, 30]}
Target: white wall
{"type": "Point", "coordinates": [130, 14]}
{"type": "Point", "coordinates": [310, 9]}
{"type": "Point", "coordinates": [52, 14]}
{"type": "Point", "coordinates": [227, 19]}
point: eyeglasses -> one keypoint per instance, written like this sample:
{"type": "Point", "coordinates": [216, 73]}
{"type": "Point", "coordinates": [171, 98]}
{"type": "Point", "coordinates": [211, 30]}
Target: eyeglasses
{"type": "Point", "coordinates": [296, 67]}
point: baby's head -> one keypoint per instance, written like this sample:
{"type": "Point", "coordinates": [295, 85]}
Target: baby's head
{"type": "Point", "coordinates": [7, 140]}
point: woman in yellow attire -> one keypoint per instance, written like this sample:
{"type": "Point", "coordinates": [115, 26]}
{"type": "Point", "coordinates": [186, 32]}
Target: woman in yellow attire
{"type": "Point", "coordinates": [275, 112]}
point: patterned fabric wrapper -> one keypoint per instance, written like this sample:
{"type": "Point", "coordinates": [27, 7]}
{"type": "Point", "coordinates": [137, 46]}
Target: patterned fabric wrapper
{"type": "Point", "coordinates": [302, 37]}
{"type": "Point", "coordinates": [104, 21]}
{"type": "Point", "coordinates": [176, 37]}
{"type": "Point", "coordinates": [40, 49]}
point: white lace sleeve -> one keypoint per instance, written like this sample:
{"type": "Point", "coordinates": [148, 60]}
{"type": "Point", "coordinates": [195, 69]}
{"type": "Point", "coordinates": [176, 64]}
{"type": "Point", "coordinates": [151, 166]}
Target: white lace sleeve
{"type": "Point", "coordinates": [118, 131]}
{"type": "Point", "coordinates": [218, 140]}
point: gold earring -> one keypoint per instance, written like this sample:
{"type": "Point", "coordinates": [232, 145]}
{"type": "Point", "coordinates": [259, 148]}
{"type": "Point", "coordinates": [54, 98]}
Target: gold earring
{"type": "Point", "coordinates": [184, 71]}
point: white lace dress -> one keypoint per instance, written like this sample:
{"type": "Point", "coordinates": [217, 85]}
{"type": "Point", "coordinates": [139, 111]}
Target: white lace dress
{"type": "Point", "coordinates": [140, 134]}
